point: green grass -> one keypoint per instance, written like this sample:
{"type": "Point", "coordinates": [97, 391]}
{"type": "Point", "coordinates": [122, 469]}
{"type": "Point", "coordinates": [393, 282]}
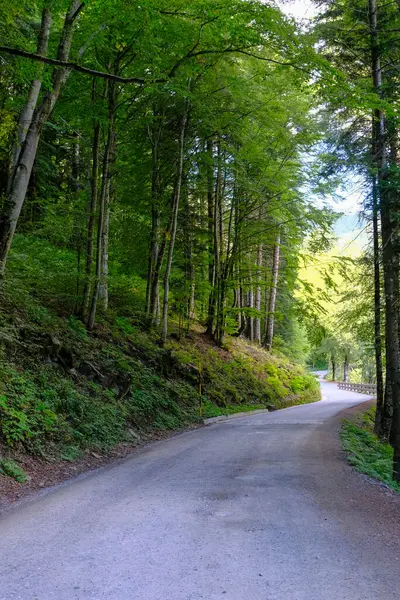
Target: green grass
{"type": "Point", "coordinates": [365, 452]}
{"type": "Point", "coordinates": [11, 469]}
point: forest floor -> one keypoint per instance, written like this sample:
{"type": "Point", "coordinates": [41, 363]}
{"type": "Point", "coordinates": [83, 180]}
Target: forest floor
{"type": "Point", "coordinates": [259, 506]}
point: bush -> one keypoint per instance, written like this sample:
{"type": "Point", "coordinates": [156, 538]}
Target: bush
{"type": "Point", "coordinates": [11, 469]}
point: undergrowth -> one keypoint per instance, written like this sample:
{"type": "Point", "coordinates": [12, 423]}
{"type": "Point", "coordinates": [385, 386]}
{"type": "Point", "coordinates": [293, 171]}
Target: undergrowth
{"type": "Point", "coordinates": [366, 453]}
{"type": "Point", "coordinates": [64, 391]}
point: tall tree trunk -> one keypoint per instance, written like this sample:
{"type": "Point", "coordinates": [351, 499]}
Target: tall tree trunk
{"type": "Point", "coordinates": [217, 246]}
{"type": "Point", "coordinates": [94, 190]}
{"type": "Point", "coordinates": [77, 237]}
{"type": "Point", "coordinates": [257, 328]}
{"type": "Point", "coordinates": [103, 287]}
{"type": "Point", "coordinates": [346, 369]}
{"type": "Point", "coordinates": [269, 334]}
{"type": "Point", "coordinates": [389, 255]}
{"type": "Point", "coordinates": [377, 312]}
{"type": "Point", "coordinates": [333, 361]}
{"type": "Point", "coordinates": [211, 212]}
{"type": "Point", "coordinates": [25, 118]}
{"type": "Point", "coordinates": [174, 223]}
{"type": "Point", "coordinates": [152, 289]}
{"type": "Point", "coordinates": [20, 180]}
{"type": "Point", "coordinates": [189, 263]}
{"type": "Point", "coordinates": [102, 228]}
{"type": "Point", "coordinates": [250, 305]}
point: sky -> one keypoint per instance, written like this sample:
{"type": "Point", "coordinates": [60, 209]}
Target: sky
{"type": "Point", "coordinates": [348, 200]}
{"type": "Point", "coordinates": [300, 9]}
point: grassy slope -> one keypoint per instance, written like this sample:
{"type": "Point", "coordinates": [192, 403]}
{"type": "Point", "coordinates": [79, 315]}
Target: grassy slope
{"type": "Point", "coordinates": [64, 392]}
{"type": "Point", "coordinates": [365, 451]}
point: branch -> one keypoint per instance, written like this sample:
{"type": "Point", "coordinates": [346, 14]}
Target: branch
{"type": "Point", "coordinates": [73, 66]}
{"type": "Point", "coordinates": [74, 15]}
{"type": "Point", "coordinates": [138, 80]}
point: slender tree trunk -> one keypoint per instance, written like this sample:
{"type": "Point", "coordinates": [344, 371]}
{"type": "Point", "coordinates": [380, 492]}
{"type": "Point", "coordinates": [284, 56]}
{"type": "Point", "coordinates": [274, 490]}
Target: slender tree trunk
{"type": "Point", "coordinates": [269, 335]}
{"type": "Point", "coordinates": [103, 288]}
{"type": "Point", "coordinates": [102, 228]}
{"type": "Point", "coordinates": [94, 190]}
{"type": "Point", "coordinates": [77, 237]}
{"type": "Point", "coordinates": [250, 305]}
{"type": "Point", "coordinates": [389, 255]}
{"type": "Point", "coordinates": [155, 284]}
{"type": "Point", "coordinates": [152, 290]}
{"type": "Point", "coordinates": [21, 174]}
{"type": "Point", "coordinates": [257, 332]}
{"type": "Point", "coordinates": [211, 239]}
{"type": "Point", "coordinates": [217, 247]}
{"type": "Point", "coordinates": [377, 313]}
{"type": "Point", "coordinates": [333, 369]}
{"type": "Point", "coordinates": [174, 224]}
{"type": "Point", "coordinates": [190, 265]}
{"type": "Point", "coordinates": [346, 370]}
{"type": "Point", "coordinates": [25, 118]}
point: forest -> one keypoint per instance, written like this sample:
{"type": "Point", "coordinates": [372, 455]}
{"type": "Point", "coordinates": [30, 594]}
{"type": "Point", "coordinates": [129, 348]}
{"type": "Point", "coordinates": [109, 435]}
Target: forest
{"type": "Point", "coordinates": [167, 230]}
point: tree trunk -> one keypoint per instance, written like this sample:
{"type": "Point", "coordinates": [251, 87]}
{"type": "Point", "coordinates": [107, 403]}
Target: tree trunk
{"type": "Point", "coordinates": [94, 190]}
{"type": "Point", "coordinates": [269, 335]}
{"type": "Point", "coordinates": [346, 370]}
{"type": "Point", "coordinates": [257, 328]}
{"type": "Point", "coordinates": [174, 223]}
{"type": "Point", "coordinates": [250, 318]}
{"type": "Point", "coordinates": [211, 239]}
{"type": "Point", "coordinates": [103, 287]}
{"type": "Point", "coordinates": [152, 291]}
{"type": "Point", "coordinates": [102, 229]}
{"type": "Point", "coordinates": [333, 368]}
{"type": "Point", "coordinates": [21, 175]}
{"type": "Point", "coordinates": [25, 118]}
{"type": "Point", "coordinates": [389, 255]}
{"type": "Point", "coordinates": [377, 314]}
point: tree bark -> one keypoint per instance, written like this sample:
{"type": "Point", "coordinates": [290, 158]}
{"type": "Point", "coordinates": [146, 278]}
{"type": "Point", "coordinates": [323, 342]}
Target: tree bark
{"type": "Point", "coordinates": [377, 313]}
{"type": "Point", "coordinates": [94, 190]}
{"type": "Point", "coordinates": [389, 255]}
{"type": "Point", "coordinates": [19, 182]}
{"type": "Point", "coordinates": [346, 370]}
{"type": "Point", "coordinates": [211, 212]}
{"type": "Point", "coordinates": [174, 223]}
{"type": "Point", "coordinates": [257, 328]}
{"type": "Point", "coordinates": [102, 229]}
{"type": "Point", "coordinates": [269, 334]}
{"type": "Point", "coordinates": [25, 118]}
{"type": "Point", "coordinates": [152, 289]}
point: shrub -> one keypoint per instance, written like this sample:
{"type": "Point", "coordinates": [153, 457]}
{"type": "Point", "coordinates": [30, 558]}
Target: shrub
{"type": "Point", "coordinates": [11, 469]}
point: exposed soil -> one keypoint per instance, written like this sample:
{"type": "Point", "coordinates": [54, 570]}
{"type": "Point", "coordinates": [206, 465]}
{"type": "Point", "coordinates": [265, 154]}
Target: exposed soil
{"type": "Point", "coordinates": [377, 505]}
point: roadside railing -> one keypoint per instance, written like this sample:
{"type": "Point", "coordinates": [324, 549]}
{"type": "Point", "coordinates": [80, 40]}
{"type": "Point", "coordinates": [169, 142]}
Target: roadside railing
{"type": "Point", "coordinates": [369, 389]}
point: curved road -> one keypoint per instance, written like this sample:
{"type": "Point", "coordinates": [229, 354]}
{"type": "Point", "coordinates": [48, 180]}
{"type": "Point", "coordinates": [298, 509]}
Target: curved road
{"type": "Point", "coordinates": [256, 508]}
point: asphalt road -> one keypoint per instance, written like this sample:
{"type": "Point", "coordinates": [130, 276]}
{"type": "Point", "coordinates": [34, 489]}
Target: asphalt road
{"type": "Point", "coordinates": [257, 508]}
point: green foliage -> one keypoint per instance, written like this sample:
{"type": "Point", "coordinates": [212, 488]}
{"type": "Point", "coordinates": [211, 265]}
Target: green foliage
{"type": "Point", "coordinates": [77, 327]}
{"type": "Point", "coordinates": [365, 451]}
{"type": "Point", "coordinates": [12, 469]}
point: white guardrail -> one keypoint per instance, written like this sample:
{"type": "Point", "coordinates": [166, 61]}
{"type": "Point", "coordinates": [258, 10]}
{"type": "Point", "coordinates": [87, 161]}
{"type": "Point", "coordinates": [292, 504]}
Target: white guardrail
{"type": "Point", "coordinates": [369, 389]}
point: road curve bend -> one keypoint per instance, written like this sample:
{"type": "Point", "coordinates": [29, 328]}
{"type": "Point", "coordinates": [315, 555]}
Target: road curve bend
{"type": "Point", "coordinates": [257, 508]}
